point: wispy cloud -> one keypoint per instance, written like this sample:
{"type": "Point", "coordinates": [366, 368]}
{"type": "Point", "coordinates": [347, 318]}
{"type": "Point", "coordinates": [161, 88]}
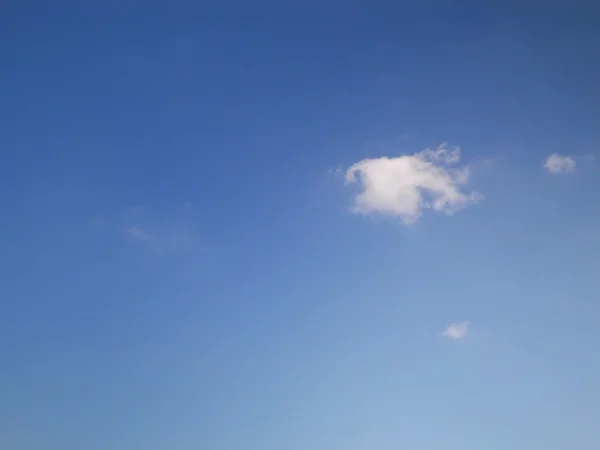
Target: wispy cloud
{"type": "Point", "coordinates": [171, 235]}
{"type": "Point", "coordinates": [137, 234]}
{"type": "Point", "coordinates": [456, 331]}
{"type": "Point", "coordinates": [336, 172]}
{"type": "Point", "coordinates": [405, 185]}
{"type": "Point", "coordinates": [164, 233]}
{"type": "Point", "coordinates": [556, 163]}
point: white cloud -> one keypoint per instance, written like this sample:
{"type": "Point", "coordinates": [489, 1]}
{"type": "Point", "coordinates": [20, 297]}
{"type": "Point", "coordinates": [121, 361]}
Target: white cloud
{"type": "Point", "coordinates": [560, 164]}
{"type": "Point", "coordinates": [405, 185]}
{"type": "Point", "coordinates": [456, 331]}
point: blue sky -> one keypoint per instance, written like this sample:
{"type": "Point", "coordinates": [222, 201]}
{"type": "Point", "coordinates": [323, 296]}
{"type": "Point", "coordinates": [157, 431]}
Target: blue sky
{"type": "Point", "coordinates": [293, 227]}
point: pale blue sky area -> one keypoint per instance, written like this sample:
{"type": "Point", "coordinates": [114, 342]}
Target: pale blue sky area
{"type": "Point", "coordinates": [221, 229]}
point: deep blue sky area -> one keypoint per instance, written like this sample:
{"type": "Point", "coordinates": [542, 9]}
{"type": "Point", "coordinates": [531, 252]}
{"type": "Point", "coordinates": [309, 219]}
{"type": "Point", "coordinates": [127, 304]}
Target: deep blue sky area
{"type": "Point", "coordinates": [220, 230]}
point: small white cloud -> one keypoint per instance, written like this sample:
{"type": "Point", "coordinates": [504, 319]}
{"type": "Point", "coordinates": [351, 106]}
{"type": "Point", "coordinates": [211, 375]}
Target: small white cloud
{"type": "Point", "coordinates": [560, 164]}
{"type": "Point", "coordinates": [405, 185]}
{"type": "Point", "coordinates": [456, 331]}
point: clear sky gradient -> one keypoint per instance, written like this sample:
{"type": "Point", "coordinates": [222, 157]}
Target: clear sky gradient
{"type": "Point", "coordinates": [239, 227]}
